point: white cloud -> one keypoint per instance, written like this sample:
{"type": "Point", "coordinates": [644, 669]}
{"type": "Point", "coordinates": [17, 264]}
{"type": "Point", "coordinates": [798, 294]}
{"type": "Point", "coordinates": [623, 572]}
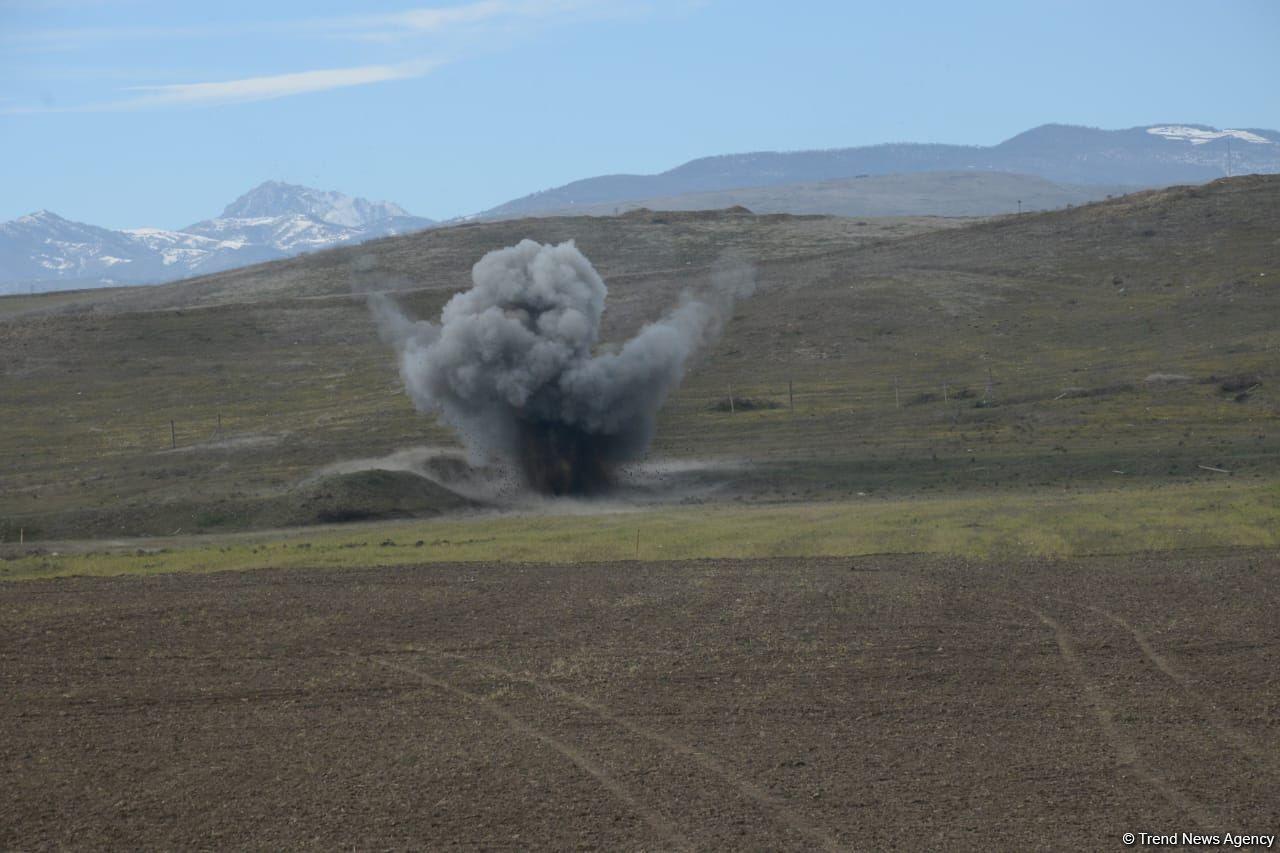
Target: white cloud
{"type": "Point", "coordinates": [436, 21]}
{"type": "Point", "coordinates": [433, 20]}
{"type": "Point", "coordinates": [251, 88]}
{"type": "Point", "coordinates": [423, 21]}
{"type": "Point", "coordinates": [275, 86]}
{"type": "Point", "coordinates": [67, 40]}
{"type": "Point", "coordinates": [479, 25]}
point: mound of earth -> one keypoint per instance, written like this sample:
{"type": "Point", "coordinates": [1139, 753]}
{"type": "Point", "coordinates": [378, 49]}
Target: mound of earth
{"type": "Point", "coordinates": [371, 494]}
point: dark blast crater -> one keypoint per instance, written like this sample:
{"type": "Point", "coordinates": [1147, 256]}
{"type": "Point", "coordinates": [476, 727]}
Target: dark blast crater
{"type": "Point", "coordinates": [560, 460]}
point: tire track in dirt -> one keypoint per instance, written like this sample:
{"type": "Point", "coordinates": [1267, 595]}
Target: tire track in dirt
{"type": "Point", "coordinates": [1126, 751]}
{"type": "Point", "coordinates": [772, 804]}
{"type": "Point", "coordinates": [1219, 726]}
{"type": "Point", "coordinates": [672, 837]}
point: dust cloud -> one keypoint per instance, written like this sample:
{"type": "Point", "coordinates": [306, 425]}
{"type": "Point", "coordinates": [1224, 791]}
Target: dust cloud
{"type": "Point", "coordinates": [512, 365]}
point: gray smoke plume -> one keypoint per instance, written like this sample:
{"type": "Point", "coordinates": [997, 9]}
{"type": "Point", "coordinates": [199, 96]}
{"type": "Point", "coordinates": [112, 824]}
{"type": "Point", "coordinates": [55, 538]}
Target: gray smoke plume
{"type": "Point", "coordinates": [512, 365]}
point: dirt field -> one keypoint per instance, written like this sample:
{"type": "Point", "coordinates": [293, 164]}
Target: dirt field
{"type": "Point", "coordinates": [862, 703]}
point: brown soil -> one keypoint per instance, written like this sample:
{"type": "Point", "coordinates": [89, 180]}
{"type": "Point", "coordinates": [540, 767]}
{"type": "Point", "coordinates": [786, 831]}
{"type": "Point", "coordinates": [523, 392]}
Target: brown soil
{"type": "Point", "coordinates": [867, 703]}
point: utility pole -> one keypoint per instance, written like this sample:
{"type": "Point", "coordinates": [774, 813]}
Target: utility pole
{"type": "Point", "coordinates": [731, 398]}
{"type": "Point", "coordinates": [173, 435]}
{"type": "Point", "coordinates": [1228, 156]}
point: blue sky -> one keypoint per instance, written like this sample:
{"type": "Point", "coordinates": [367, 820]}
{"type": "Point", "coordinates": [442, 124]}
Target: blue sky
{"type": "Point", "coordinates": [126, 114]}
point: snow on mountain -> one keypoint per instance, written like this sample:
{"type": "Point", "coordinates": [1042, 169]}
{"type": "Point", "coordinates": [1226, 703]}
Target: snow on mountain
{"type": "Point", "coordinates": [1199, 135]}
{"type": "Point", "coordinates": [274, 198]}
{"type": "Point", "coordinates": [43, 245]}
{"type": "Point", "coordinates": [287, 233]}
{"type": "Point", "coordinates": [43, 251]}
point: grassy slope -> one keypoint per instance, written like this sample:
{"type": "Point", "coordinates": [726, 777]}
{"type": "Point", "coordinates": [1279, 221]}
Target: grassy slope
{"type": "Point", "coordinates": [1049, 523]}
{"type": "Point", "coordinates": [1180, 281]}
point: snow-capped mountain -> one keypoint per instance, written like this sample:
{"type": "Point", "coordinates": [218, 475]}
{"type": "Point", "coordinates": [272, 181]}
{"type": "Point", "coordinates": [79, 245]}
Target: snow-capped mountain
{"type": "Point", "coordinates": [43, 245]}
{"type": "Point", "coordinates": [295, 219]}
{"type": "Point", "coordinates": [43, 251]}
{"type": "Point", "coordinates": [275, 198]}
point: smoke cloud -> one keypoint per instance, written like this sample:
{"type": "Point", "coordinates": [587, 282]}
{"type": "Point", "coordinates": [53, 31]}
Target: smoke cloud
{"type": "Point", "coordinates": [512, 365]}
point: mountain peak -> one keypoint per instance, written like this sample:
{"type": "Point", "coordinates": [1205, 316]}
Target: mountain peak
{"type": "Point", "coordinates": [277, 198]}
{"type": "Point", "coordinates": [41, 215]}
{"type": "Point", "coordinates": [1054, 134]}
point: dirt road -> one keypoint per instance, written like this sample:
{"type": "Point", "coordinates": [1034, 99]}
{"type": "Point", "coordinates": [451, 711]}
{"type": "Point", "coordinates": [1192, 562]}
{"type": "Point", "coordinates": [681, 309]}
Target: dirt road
{"type": "Point", "coordinates": [862, 703]}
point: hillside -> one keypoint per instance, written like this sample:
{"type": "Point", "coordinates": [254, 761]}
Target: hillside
{"type": "Point", "coordinates": [641, 243]}
{"type": "Point", "coordinates": [1125, 343]}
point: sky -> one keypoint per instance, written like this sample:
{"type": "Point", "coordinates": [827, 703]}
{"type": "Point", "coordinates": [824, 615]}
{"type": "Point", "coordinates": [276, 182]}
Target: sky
{"type": "Point", "coordinates": [129, 114]}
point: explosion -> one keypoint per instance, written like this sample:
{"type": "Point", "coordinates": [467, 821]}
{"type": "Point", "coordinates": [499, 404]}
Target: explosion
{"type": "Point", "coordinates": [512, 365]}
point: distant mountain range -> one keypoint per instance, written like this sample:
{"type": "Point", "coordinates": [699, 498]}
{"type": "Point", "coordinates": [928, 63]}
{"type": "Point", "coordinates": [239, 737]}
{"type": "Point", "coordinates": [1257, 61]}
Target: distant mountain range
{"type": "Point", "coordinates": [43, 251]}
{"type": "Point", "coordinates": [1156, 155]}
{"type": "Point", "coordinates": [1050, 166]}
{"type": "Point", "coordinates": [904, 194]}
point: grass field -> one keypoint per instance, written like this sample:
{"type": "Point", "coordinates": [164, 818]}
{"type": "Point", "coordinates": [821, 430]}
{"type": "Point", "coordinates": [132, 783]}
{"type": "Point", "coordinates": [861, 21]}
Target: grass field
{"type": "Point", "coordinates": [1061, 523]}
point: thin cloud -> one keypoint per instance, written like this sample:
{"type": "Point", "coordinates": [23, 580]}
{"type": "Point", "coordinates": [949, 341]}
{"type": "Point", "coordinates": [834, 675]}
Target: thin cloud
{"type": "Point", "coordinates": [76, 38]}
{"type": "Point", "coordinates": [253, 88]}
{"type": "Point", "coordinates": [455, 31]}
{"type": "Point", "coordinates": [391, 26]}
{"type": "Point", "coordinates": [438, 20]}
{"type": "Point", "coordinates": [434, 20]}
{"type": "Point", "coordinates": [276, 86]}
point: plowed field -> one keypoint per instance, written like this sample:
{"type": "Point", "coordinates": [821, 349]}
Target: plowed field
{"type": "Point", "coordinates": [864, 703]}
